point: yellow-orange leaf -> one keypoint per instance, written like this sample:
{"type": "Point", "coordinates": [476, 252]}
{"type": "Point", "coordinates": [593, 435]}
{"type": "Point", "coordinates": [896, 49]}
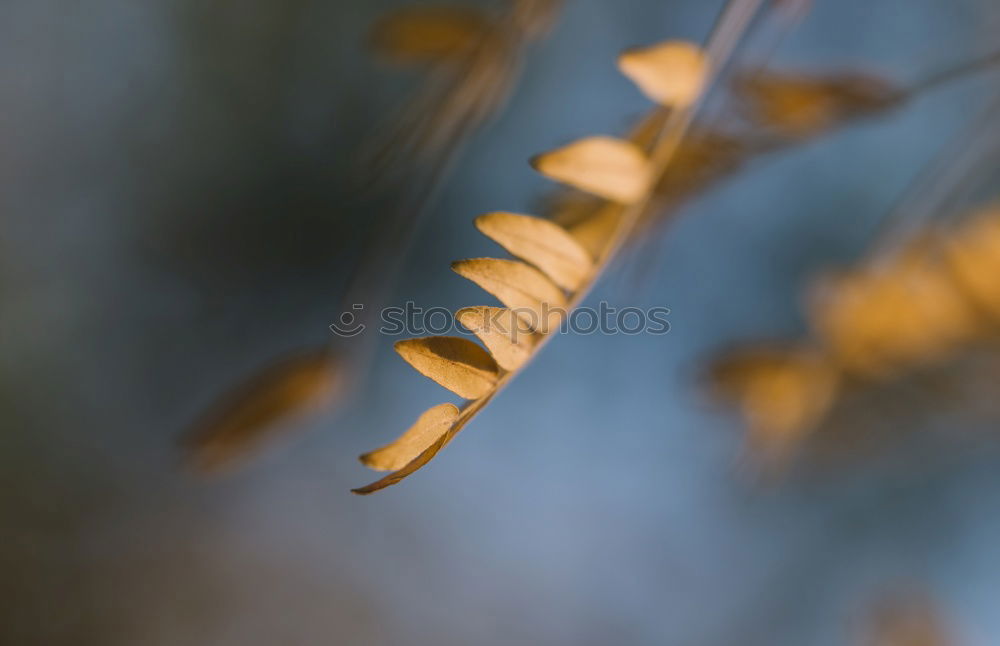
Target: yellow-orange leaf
{"type": "Point", "coordinates": [429, 34]}
{"type": "Point", "coordinates": [260, 408]}
{"type": "Point", "coordinates": [672, 73]}
{"type": "Point", "coordinates": [414, 441]}
{"type": "Point", "coordinates": [904, 310]}
{"type": "Point", "coordinates": [910, 619]}
{"type": "Point", "coordinates": [974, 260]}
{"type": "Point", "coordinates": [414, 465]}
{"type": "Point", "coordinates": [458, 364]}
{"type": "Point", "coordinates": [508, 338]}
{"type": "Point", "coordinates": [798, 105]}
{"type": "Point", "coordinates": [524, 289]}
{"type": "Point", "coordinates": [783, 393]}
{"type": "Point", "coordinates": [611, 168]}
{"type": "Point", "coordinates": [543, 243]}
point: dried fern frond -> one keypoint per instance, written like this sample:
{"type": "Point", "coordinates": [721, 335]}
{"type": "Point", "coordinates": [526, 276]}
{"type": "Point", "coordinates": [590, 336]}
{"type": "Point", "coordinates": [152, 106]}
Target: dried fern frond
{"type": "Point", "coordinates": [535, 297]}
{"type": "Point", "coordinates": [554, 272]}
{"type": "Point", "coordinates": [254, 412]}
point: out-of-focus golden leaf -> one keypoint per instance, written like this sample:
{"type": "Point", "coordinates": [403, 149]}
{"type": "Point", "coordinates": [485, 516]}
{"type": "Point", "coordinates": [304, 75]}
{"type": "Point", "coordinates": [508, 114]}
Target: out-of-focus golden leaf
{"type": "Point", "coordinates": [429, 34]}
{"type": "Point", "coordinates": [540, 242]}
{"type": "Point", "coordinates": [974, 260]}
{"type": "Point", "coordinates": [458, 364]}
{"type": "Point", "coordinates": [261, 408]}
{"type": "Point", "coordinates": [614, 169]}
{"type": "Point", "coordinates": [428, 427]}
{"type": "Point", "coordinates": [480, 58]}
{"type": "Point", "coordinates": [801, 106]}
{"type": "Point", "coordinates": [522, 288]}
{"type": "Point", "coordinates": [671, 73]}
{"type": "Point", "coordinates": [782, 392]}
{"type": "Point", "coordinates": [904, 311]}
{"type": "Point", "coordinates": [909, 620]}
{"type": "Point", "coordinates": [853, 314]}
{"type": "Point", "coordinates": [909, 317]}
{"type": "Point", "coordinates": [506, 336]}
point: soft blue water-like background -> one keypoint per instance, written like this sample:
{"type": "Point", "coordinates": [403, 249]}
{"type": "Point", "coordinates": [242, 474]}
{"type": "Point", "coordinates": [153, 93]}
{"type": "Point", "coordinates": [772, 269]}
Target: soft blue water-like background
{"type": "Point", "coordinates": [175, 210]}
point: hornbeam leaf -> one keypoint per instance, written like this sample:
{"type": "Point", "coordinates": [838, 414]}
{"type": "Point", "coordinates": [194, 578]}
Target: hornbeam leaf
{"type": "Point", "coordinates": [428, 427]}
{"type": "Point", "coordinates": [417, 35]}
{"type": "Point", "coordinates": [671, 73]}
{"type": "Point", "coordinates": [540, 242]}
{"type": "Point", "coordinates": [524, 289]}
{"type": "Point", "coordinates": [611, 168]}
{"type": "Point", "coordinates": [458, 364]}
{"type": "Point", "coordinates": [504, 334]}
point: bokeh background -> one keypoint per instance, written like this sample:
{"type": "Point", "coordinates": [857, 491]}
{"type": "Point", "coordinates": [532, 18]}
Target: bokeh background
{"type": "Point", "coordinates": [177, 208]}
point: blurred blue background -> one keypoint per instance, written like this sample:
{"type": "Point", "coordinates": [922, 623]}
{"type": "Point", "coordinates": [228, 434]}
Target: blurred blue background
{"type": "Point", "coordinates": [176, 209]}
